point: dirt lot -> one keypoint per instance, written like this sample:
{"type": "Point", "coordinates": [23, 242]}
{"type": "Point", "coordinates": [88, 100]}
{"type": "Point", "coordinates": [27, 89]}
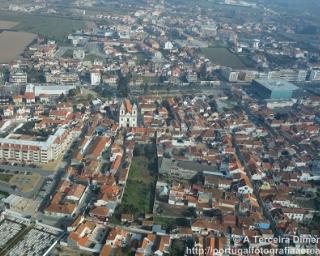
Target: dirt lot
{"type": "Point", "coordinates": [4, 24]}
{"type": "Point", "coordinates": [52, 165]}
{"type": "Point", "coordinates": [12, 44]}
{"type": "Point", "coordinates": [25, 183]}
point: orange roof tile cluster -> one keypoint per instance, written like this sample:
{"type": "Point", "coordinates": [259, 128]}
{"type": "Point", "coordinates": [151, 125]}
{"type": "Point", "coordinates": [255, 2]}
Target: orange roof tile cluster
{"type": "Point", "coordinates": [29, 96]}
{"type": "Point", "coordinates": [106, 250]}
{"type": "Point", "coordinates": [98, 146]}
{"type": "Point", "coordinates": [67, 208]}
{"type": "Point", "coordinates": [76, 191]}
{"type": "Point", "coordinates": [128, 106]}
{"type": "Point", "coordinates": [59, 113]}
{"type": "Point", "coordinates": [116, 164]}
{"type": "Point", "coordinates": [83, 233]}
{"type": "Point", "coordinates": [99, 212]}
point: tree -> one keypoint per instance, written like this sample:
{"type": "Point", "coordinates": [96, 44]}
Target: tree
{"type": "Point", "coordinates": [72, 93]}
{"type": "Point", "coordinates": [203, 71]}
{"type": "Point", "coordinates": [35, 76]}
{"type": "Point", "coordinates": [150, 150]}
{"type": "Point", "coordinates": [123, 88]}
{"type": "Point", "coordinates": [145, 88]}
{"type": "Point", "coordinates": [90, 97]}
{"type": "Point", "coordinates": [137, 151]}
{"type": "Point", "coordinates": [178, 247]}
{"type": "Point", "coordinates": [83, 110]}
{"type": "Point", "coordinates": [62, 97]}
{"type": "Point", "coordinates": [190, 212]}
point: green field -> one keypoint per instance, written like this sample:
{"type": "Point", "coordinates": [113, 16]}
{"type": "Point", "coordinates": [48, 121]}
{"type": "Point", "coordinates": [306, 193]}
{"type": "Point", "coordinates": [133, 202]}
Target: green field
{"type": "Point", "coordinates": [68, 54]}
{"type": "Point", "coordinates": [223, 56]}
{"type": "Point", "coordinates": [92, 57]}
{"type": "Point", "coordinates": [171, 223]}
{"type": "Point", "coordinates": [4, 194]}
{"type": "Point", "coordinates": [51, 27]}
{"type": "Point", "coordinates": [141, 58]}
{"type": "Point", "coordinates": [139, 192]}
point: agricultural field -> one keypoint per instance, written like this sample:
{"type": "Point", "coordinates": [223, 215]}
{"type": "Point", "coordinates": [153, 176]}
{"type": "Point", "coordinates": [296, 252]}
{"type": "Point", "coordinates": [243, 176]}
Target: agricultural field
{"type": "Point", "coordinates": [12, 44]}
{"type": "Point", "coordinates": [223, 56]}
{"type": "Point", "coordinates": [54, 28]}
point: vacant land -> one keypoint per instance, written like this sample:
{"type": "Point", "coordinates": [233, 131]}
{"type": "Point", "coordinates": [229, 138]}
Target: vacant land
{"type": "Point", "coordinates": [139, 192]}
{"type": "Point", "coordinates": [51, 27]}
{"type": "Point", "coordinates": [12, 44]}
{"type": "Point", "coordinates": [25, 183]}
{"type": "Point", "coordinates": [171, 223]}
{"type": "Point", "coordinates": [4, 24]}
{"type": "Point", "coordinates": [223, 56]}
{"type": "Point", "coordinates": [5, 177]}
{"type": "Point", "coordinates": [66, 251]}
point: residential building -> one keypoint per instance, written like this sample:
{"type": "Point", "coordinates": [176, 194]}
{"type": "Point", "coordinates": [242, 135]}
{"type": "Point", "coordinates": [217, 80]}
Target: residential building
{"type": "Point", "coordinates": [18, 77]}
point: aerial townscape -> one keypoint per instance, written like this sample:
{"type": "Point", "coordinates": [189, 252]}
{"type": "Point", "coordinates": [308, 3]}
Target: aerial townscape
{"type": "Point", "coordinates": [159, 127]}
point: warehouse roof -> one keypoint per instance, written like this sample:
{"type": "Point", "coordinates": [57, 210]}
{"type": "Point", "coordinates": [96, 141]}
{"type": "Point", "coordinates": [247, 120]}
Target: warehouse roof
{"type": "Point", "coordinates": [277, 84]}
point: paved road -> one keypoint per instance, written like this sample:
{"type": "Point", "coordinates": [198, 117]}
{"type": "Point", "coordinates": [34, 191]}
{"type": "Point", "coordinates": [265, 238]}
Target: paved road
{"type": "Point", "coordinates": [32, 194]}
{"type": "Point", "coordinates": [26, 169]}
{"type": "Point", "coordinates": [256, 188]}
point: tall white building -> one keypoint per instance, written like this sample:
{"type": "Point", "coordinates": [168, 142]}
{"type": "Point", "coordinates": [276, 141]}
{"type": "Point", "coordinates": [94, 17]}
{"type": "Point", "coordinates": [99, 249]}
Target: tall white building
{"type": "Point", "coordinates": [18, 78]}
{"type": "Point", "coordinates": [95, 77]}
{"type": "Point", "coordinates": [314, 75]}
{"type": "Point", "coordinates": [128, 116]}
{"type": "Point", "coordinates": [15, 148]}
{"type": "Point", "coordinates": [256, 44]}
{"type": "Point", "coordinates": [291, 75]}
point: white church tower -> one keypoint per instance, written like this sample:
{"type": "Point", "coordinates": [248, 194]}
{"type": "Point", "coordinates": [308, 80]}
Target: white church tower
{"type": "Point", "coordinates": [128, 116]}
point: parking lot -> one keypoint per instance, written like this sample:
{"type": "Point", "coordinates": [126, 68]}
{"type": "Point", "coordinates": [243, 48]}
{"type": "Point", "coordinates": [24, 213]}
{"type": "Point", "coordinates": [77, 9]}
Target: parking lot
{"type": "Point", "coordinates": [22, 181]}
{"type": "Point", "coordinates": [8, 230]}
{"type": "Point", "coordinates": [25, 182]}
{"type": "Point", "coordinates": [35, 242]}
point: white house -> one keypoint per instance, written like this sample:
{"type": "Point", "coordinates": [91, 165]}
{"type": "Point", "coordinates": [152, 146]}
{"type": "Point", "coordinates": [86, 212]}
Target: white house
{"type": "Point", "coordinates": [168, 46]}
